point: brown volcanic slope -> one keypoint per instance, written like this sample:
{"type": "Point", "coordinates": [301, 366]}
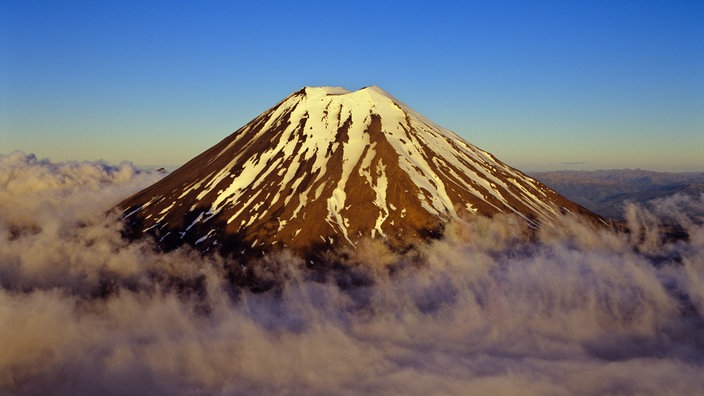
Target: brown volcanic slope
{"type": "Point", "coordinates": [329, 166]}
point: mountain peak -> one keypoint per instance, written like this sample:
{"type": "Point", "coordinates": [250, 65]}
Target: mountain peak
{"type": "Point", "coordinates": [369, 93]}
{"type": "Point", "coordinates": [328, 166]}
{"type": "Point", "coordinates": [323, 91]}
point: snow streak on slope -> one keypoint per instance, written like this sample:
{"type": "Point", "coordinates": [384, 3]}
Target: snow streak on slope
{"type": "Point", "coordinates": [328, 165]}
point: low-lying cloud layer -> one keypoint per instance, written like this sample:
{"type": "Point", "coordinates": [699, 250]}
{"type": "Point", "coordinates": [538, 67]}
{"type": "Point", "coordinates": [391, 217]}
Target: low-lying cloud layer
{"type": "Point", "coordinates": [575, 311]}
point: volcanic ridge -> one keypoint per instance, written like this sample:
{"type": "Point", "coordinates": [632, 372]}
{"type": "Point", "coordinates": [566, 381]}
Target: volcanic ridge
{"type": "Point", "coordinates": [328, 167]}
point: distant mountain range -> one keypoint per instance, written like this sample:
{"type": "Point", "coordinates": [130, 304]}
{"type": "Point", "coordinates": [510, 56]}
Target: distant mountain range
{"type": "Point", "coordinates": [606, 191]}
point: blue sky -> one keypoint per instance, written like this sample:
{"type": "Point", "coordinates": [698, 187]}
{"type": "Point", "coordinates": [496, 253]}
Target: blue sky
{"type": "Point", "coordinates": [540, 84]}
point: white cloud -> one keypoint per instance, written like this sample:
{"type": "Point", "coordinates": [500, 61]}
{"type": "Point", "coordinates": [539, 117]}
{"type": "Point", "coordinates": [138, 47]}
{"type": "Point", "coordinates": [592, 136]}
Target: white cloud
{"type": "Point", "coordinates": [575, 311]}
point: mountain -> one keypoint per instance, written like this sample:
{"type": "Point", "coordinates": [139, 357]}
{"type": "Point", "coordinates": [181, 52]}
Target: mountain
{"type": "Point", "coordinates": [326, 167]}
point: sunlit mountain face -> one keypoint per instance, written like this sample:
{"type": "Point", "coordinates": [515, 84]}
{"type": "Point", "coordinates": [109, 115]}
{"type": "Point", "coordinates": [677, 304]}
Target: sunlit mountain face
{"type": "Point", "coordinates": [327, 167]}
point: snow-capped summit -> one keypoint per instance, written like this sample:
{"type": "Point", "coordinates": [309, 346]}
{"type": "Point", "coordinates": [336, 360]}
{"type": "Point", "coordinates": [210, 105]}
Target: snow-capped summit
{"type": "Point", "coordinates": [331, 166]}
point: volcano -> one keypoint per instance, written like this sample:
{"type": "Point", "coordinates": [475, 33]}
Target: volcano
{"type": "Point", "coordinates": [329, 167]}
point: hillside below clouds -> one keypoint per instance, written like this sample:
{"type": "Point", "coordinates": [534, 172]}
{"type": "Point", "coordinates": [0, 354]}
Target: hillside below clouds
{"type": "Point", "coordinates": [329, 167]}
{"type": "Point", "coordinates": [606, 192]}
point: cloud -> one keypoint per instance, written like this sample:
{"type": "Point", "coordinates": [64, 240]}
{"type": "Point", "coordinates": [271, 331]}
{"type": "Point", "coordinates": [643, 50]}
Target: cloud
{"type": "Point", "coordinates": [573, 311]}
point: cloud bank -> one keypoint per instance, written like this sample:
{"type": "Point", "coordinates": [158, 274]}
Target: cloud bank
{"type": "Point", "coordinates": [575, 311]}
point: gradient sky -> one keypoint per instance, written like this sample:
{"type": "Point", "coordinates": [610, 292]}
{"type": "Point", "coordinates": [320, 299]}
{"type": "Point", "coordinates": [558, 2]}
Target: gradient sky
{"type": "Point", "coordinates": [540, 84]}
